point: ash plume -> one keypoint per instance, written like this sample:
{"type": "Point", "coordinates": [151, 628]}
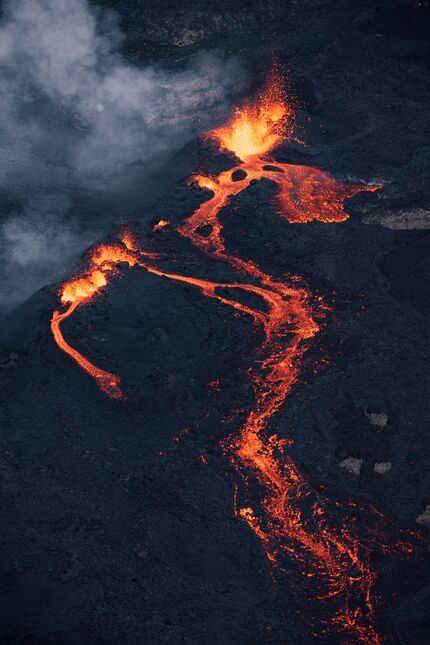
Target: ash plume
{"type": "Point", "coordinates": [78, 121]}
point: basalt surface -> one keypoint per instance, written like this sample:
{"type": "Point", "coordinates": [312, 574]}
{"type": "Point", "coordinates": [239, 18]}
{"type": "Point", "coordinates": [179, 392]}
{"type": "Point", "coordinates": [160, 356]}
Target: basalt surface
{"type": "Point", "coordinates": [118, 521]}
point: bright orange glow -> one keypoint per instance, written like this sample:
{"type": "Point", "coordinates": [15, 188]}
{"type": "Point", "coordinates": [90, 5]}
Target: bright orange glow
{"type": "Point", "coordinates": [257, 127]}
{"type": "Point", "coordinates": [102, 262]}
{"type": "Point", "coordinates": [75, 292]}
{"type": "Point", "coordinates": [321, 543]}
{"type": "Point", "coordinates": [83, 288]}
{"type": "Point", "coordinates": [102, 265]}
{"type": "Point", "coordinates": [128, 240]}
{"type": "Point", "coordinates": [160, 225]}
{"type": "Point", "coordinates": [205, 182]}
{"type": "Point", "coordinates": [304, 194]}
{"type": "Point", "coordinates": [108, 383]}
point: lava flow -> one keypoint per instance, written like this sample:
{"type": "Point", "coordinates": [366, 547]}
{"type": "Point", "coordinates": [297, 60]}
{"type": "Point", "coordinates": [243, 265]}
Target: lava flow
{"type": "Point", "coordinates": [303, 193]}
{"type": "Point", "coordinates": [296, 525]}
{"type": "Point", "coordinates": [76, 292]}
{"type": "Point", "coordinates": [329, 546]}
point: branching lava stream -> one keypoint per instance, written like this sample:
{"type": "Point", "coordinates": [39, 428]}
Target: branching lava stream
{"type": "Point", "coordinates": [326, 546]}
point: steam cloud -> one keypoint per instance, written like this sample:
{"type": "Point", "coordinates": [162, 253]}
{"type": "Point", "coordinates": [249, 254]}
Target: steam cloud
{"type": "Point", "coordinates": [78, 119]}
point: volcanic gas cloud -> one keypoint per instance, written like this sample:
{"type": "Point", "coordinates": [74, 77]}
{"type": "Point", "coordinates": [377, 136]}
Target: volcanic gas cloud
{"type": "Point", "coordinates": [326, 547]}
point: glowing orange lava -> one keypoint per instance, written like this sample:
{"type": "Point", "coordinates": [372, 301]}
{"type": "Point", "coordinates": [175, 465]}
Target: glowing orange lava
{"type": "Point", "coordinates": [162, 223]}
{"type": "Point", "coordinates": [102, 264]}
{"type": "Point", "coordinates": [258, 126]}
{"type": "Point", "coordinates": [325, 554]}
{"type": "Point", "coordinates": [328, 545]}
{"type": "Point", "coordinates": [304, 194]}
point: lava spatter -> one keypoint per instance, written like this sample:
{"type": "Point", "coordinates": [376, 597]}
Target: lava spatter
{"type": "Point", "coordinates": [259, 126]}
{"type": "Point", "coordinates": [326, 546]}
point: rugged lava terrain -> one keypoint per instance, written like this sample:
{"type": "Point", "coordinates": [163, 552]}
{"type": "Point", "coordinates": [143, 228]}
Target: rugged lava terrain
{"type": "Point", "coordinates": [118, 518]}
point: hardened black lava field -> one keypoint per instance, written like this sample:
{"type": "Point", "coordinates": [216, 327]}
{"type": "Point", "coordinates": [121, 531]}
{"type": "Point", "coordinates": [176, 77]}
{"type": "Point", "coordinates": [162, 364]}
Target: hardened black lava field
{"type": "Point", "coordinates": [214, 425]}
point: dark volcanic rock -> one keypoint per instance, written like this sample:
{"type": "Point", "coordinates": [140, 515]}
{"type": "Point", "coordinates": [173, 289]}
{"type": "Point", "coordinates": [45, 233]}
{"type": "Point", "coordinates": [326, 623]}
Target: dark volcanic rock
{"type": "Point", "coordinates": [117, 519]}
{"type": "Point", "coordinates": [238, 175]}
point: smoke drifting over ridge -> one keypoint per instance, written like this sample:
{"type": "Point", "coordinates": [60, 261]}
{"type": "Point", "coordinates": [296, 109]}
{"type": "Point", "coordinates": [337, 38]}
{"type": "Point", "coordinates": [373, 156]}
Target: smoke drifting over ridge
{"type": "Point", "coordinates": [78, 119]}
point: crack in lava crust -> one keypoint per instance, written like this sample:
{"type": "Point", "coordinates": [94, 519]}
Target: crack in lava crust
{"type": "Point", "coordinates": [325, 546]}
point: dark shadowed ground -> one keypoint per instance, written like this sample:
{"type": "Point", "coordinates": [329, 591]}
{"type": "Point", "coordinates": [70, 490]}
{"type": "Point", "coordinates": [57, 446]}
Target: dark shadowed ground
{"type": "Point", "coordinates": [113, 531]}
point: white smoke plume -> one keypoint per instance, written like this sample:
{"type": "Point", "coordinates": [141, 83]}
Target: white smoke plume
{"type": "Point", "coordinates": [76, 115]}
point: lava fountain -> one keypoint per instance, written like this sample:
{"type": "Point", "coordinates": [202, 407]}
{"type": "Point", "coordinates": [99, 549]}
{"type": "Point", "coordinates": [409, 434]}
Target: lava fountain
{"type": "Point", "coordinates": [326, 546]}
{"type": "Point", "coordinates": [257, 127]}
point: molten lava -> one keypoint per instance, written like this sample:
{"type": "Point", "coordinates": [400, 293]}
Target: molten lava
{"type": "Point", "coordinates": [303, 194]}
{"type": "Point", "coordinates": [258, 127]}
{"type": "Point", "coordinates": [79, 291]}
{"type": "Point", "coordinates": [326, 546]}
{"type": "Point", "coordinates": [162, 223]}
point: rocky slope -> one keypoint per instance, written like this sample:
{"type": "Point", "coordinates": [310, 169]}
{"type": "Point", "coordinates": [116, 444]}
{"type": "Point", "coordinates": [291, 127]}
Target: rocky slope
{"type": "Point", "coordinates": [117, 518]}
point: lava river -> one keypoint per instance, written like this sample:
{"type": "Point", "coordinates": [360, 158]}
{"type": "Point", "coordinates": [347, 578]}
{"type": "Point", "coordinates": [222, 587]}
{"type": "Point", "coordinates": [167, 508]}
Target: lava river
{"type": "Point", "coordinates": [326, 547]}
